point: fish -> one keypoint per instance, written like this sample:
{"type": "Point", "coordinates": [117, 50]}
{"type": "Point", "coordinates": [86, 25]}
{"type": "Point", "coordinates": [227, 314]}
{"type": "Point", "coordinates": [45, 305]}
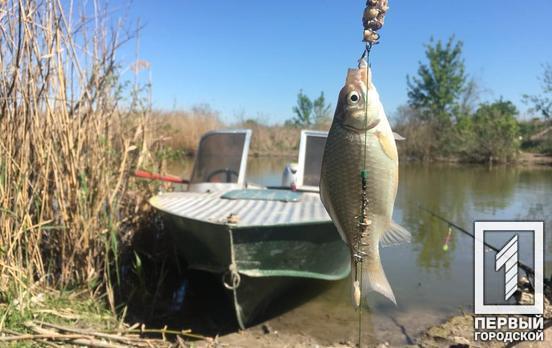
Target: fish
{"type": "Point", "coordinates": [361, 142]}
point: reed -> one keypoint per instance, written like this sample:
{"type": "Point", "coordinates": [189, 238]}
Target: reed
{"type": "Point", "coordinates": [68, 141]}
{"type": "Point", "coordinates": [182, 129]}
{"type": "Point", "coordinates": [273, 140]}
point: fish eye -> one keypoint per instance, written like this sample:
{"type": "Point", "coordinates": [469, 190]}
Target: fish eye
{"type": "Point", "coordinates": [353, 98]}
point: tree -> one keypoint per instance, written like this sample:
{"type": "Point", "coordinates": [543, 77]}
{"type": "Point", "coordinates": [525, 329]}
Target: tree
{"type": "Point", "coordinates": [495, 132]}
{"type": "Point", "coordinates": [543, 103]}
{"type": "Point", "coordinates": [440, 83]}
{"type": "Point", "coordinates": [303, 110]}
{"type": "Point", "coordinates": [437, 93]}
{"type": "Point", "coordinates": [469, 99]}
{"type": "Point", "coordinates": [419, 134]}
{"type": "Point", "coordinates": [308, 112]}
{"type": "Point", "coordinates": [322, 112]}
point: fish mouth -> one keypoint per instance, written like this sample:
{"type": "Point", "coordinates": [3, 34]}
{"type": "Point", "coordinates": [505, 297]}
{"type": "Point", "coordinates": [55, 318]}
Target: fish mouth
{"type": "Point", "coordinates": [371, 125]}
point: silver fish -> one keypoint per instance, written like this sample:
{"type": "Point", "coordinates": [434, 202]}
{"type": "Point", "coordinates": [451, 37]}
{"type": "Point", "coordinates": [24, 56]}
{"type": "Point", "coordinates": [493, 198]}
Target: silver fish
{"type": "Point", "coordinates": [361, 141]}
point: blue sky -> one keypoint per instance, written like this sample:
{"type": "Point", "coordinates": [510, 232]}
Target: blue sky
{"type": "Point", "coordinates": [251, 57]}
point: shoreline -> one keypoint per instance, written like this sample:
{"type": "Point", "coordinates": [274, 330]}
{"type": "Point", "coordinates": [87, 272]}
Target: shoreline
{"type": "Point", "coordinates": [457, 330]}
{"type": "Point", "coordinates": [525, 158]}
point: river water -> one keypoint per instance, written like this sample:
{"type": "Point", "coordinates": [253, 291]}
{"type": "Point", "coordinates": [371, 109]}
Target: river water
{"type": "Point", "coordinates": [431, 283]}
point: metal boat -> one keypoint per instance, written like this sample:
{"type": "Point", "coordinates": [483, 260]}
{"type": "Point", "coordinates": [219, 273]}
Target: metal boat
{"type": "Point", "coordinates": [259, 240]}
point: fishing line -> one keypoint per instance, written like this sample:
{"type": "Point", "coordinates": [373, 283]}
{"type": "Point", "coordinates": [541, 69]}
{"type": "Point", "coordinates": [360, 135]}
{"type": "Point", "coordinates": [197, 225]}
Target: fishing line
{"type": "Point", "coordinates": [358, 255]}
{"type": "Point", "coordinates": [372, 22]}
{"type": "Point", "coordinates": [362, 224]}
{"type": "Point", "coordinates": [366, 57]}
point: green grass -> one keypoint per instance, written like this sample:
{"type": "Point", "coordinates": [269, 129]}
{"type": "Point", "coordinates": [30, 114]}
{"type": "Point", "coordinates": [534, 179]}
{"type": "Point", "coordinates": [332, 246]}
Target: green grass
{"type": "Point", "coordinates": [75, 308]}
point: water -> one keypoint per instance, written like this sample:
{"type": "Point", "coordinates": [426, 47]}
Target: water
{"type": "Point", "coordinates": [430, 283]}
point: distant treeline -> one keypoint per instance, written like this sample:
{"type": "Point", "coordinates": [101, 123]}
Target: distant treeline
{"type": "Point", "coordinates": [490, 133]}
{"type": "Point", "coordinates": [444, 119]}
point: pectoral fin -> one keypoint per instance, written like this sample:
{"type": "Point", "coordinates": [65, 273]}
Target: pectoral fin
{"type": "Point", "coordinates": [394, 235]}
{"type": "Point", "coordinates": [398, 137]}
{"type": "Point", "coordinates": [388, 145]}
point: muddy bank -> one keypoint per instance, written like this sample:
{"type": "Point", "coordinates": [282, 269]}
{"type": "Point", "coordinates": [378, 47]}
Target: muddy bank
{"type": "Point", "coordinates": [457, 331]}
{"type": "Point", "coordinates": [528, 158]}
{"type": "Point", "coordinates": [263, 336]}
{"type": "Point", "coordinates": [523, 159]}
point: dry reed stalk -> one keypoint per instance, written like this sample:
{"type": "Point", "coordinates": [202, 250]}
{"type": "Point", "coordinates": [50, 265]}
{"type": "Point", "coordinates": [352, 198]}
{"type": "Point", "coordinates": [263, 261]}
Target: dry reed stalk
{"type": "Point", "coordinates": [183, 129]}
{"type": "Point", "coordinates": [66, 144]}
{"type": "Point", "coordinates": [45, 332]}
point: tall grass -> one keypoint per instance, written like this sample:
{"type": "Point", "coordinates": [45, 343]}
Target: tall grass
{"type": "Point", "coordinates": [182, 129]}
{"type": "Point", "coordinates": [273, 140]}
{"type": "Point", "coordinates": [66, 146]}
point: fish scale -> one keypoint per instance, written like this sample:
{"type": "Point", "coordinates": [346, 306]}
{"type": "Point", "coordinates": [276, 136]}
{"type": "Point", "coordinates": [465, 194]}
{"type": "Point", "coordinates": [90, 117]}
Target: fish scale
{"type": "Point", "coordinates": [346, 168]}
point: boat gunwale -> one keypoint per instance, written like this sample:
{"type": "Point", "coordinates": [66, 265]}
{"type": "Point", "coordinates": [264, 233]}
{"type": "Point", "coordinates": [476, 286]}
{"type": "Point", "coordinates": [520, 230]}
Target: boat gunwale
{"type": "Point", "coordinates": [238, 226]}
{"type": "Point", "coordinates": [272, 273]}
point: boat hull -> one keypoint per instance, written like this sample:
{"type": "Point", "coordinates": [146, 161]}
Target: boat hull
{"type": "Point", "coordinates": [257, 263]}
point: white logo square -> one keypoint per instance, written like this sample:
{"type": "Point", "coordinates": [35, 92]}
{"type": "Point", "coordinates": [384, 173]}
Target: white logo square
{"type": "Point", "coordinates": [506, 261]}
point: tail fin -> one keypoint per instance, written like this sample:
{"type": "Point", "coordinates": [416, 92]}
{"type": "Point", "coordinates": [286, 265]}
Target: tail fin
{"type": "Point", "coordinates": [370, 277]}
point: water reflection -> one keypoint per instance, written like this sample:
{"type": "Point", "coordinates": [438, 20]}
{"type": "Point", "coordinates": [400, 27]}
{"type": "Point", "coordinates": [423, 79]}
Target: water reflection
{"type": "Point", "coordinates": [442, 191]}
{"type": "Point", "coordinates": [267, 171]}
{"type": "Point", "coordinates": [463, 194]}
{"type": "Point", "coordinates": [492, 189]}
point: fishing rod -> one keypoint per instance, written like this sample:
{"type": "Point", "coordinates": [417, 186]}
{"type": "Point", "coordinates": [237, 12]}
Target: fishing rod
{"type": "Point", "coordinates": [528, 270]}
{"type": "Point", "coordinates": [143, 174]}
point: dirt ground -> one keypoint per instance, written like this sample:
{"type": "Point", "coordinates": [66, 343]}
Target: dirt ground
{"type": "Point", "coordinates": [262, 336]}
{"type": "Point", "coordinates": [527, 158]}
{"type": "Point", "coordinates": [457, 332]}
